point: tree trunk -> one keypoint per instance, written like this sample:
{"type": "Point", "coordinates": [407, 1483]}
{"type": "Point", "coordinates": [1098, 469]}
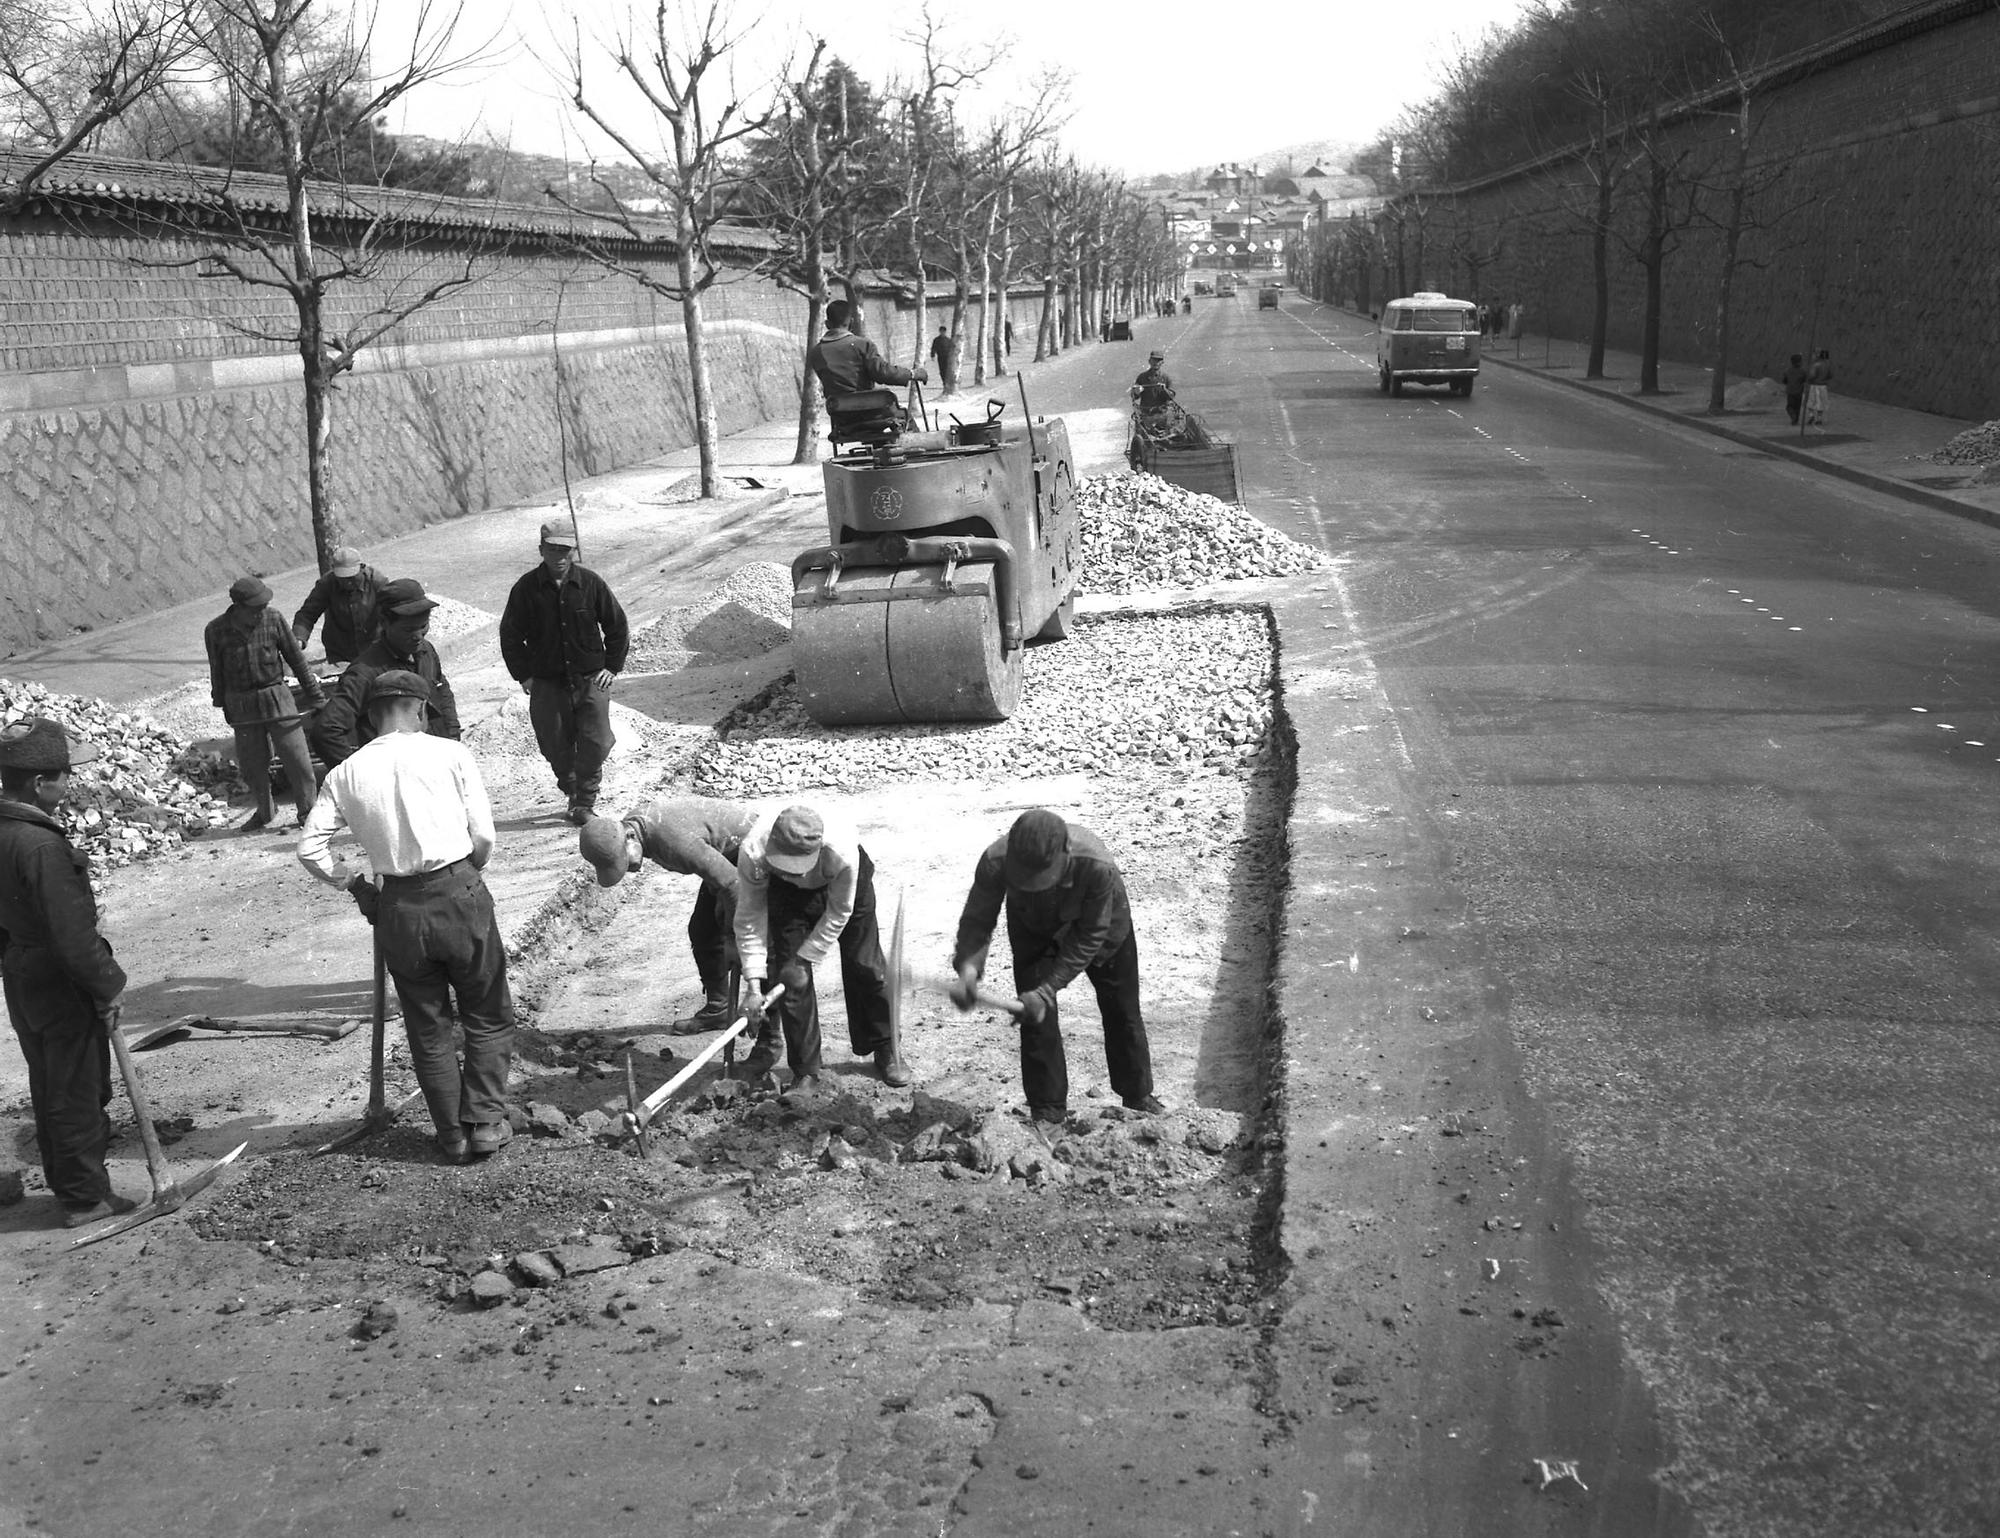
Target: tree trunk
{"type": "Point", "coordinates": [1732, 240]}
{"type": "Point", "coordinates": [1002, 286]}
{"type": "Point", "coordinates": [706, 433]}
{"type": "Point", "coordinates": [986, 325]}
{"type": "Point", "coordinates": [806, 450]}
{"type": "Point", "coordinates": [319, 426]}
{"type": "Point", "coordinates": [1654, 258]}
{"type": "Point", "coordinates": [1045, 332]}
{"type": "Point", "coordinates": [1600, 272]}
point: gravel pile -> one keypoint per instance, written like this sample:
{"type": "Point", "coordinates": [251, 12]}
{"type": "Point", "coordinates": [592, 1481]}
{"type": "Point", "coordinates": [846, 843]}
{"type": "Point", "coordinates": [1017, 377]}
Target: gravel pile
{"type": "Point", "coordinates": [145, 792]}
{"type": "Point", "coordinates": [1141, 533]}
{"type": "Point", "coordinates": [1975, 446]}
{"type": "Point", "coordinates": [745, 616]}
{"type": "Point", "coordinates": [1187, 691]}
{"type": "Point", "coordinates": [452, 619]}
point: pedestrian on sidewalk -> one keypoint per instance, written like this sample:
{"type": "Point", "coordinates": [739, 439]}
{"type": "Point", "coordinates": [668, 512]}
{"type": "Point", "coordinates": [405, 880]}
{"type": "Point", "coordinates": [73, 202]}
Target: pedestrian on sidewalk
{"type": "Point", "coordinates": [563, 637]}
{"type": "Point", "coordinates": [347, 595]}
{"type": "Point", "coordinates": [1067, 913]}
{"type": "Point", "coordinates": [342, 725]}
{"type": "Point", "coordinates": [1794, 380]}
{"type": "Point", "coordinates": [944, 351]}
{"type": "Point", "coordinates": [1818, 377]}
{"type": "Point", "coordinates": [61, 979]}
{"type": "Point", "coordinates": [690, 836]}
{"type": "Point", "coordinates": [249, 649]}
{"type": "Point", "coordinates": [420, 812]}
{"type": "Point", "coordinates": [1008, 327]}
{"type": "Point", "coordinates": [804, 885]}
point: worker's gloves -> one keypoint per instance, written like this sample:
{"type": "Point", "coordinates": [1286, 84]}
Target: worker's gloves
{"type": "Point", "coordinates": [793, 976]}
{"type": "Point", "coordinates": [365, 896]}
{"type": "Point", "coordinates": [1035, 1006]}
{"type": "Point", "coordinates": [965, 992]}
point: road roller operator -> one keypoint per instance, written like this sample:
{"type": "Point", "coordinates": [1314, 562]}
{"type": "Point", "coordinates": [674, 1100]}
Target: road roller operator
{"type": "Point", "coordinates": [847, 363]}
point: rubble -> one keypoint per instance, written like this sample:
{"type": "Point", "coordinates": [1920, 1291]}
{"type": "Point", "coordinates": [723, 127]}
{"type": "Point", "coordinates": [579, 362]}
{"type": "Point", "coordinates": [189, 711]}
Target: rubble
{"type": "Point", "coordinates": [145, 793]}
{"type": "Point", "coordinates": [1975, 446]}
{"type": "Point", "coordinates": [1141, 534]}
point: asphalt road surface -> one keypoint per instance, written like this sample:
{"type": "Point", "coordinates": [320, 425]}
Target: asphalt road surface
{"type": "Point", "coordinates": [1707, 749]}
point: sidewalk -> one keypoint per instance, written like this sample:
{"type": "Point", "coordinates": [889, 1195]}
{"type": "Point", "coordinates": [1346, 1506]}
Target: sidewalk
{"type": "Point", "coordinates": [1870, 444]}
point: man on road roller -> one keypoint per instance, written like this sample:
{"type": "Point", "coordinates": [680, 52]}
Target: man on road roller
{"type": "Point", "coordinates": [690, 836]}
{"type": "Point", "coordinates": [419, 809]}
{"type": "Point", "coordinates": [849, 366]}
{"type": "Point", "coordinates": [1067, 912]}
{"type": "Point", "coordinates": [804, 885]}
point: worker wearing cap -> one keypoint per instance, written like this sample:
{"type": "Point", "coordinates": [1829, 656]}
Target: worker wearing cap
{"type": "Point", "coordinates": [342, 725]}
{"type": "Point", "coordinates": [563, 637]}
{"type": "Point", "coordinates": [61, 979]}
{"type": "Point", "coordinates": [690, 836]}
{"type": "Point", "coordinates": [1153, 389]}
{"type": "Point", "coordinates": [804, 885]}
{"type": "Point", "coordinates": [419, 809]}
{"type": "Point", "coordinates": [847, 363]}
{"type": "Point", "coordinates": [249, 649]}
{"type": "Point", "coordinates": [346, 595]}
{"type": "Point", "coordinates": [1067, 913]}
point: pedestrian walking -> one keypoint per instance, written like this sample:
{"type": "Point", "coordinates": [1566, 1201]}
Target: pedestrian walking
{"type": "Point", "coordinates": [61, 980]}
{"type": "Point", "coordinates": [1795, 387]}
{"type": "Point", "coordinates": [563, 637]}
{"type": "Point", "coordinates": [249, 649]}
{"type": "Point", "coordinates": [420, 812]}
{"type": "Point", "coordinates": [1067, 913]}
{"type": "Point", "coordinates": [690, 836]}
{"type": "Point", "coordinates": [804, 886]}
{"type": "Point", "coordinates": [347, 596]}
{"type": "Point", "coordinates": [1818, 378]}
{"type": "Point", "coordinates": [342, 724]}
{"type": "Point", "coordinates": [1008, 327]}
{"type": "Point", "coordinates": [944, 352]}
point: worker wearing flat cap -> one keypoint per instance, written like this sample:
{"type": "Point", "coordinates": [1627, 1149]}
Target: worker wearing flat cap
{"type": "Point", "coordinates": [419, 809]}
{"type": "Point", "coordinates": [342, 726]}
{"type": "Point", "coordinates": [1067, 913]}
{"type": "Point", "coordinates": [1153, 389]}
{"type": "Point", "coordinates": [346, 595]}
{"type": "Point", "coordinates": [61, 979]}
{"type": "Point", "coordinates": [804, 885]}
{"type": "Point", "coordinates": [249, 649]}
{"type": "Point", "coordinates": [563, 637]}
{"type": "Point", "coordinates": [690, 836]}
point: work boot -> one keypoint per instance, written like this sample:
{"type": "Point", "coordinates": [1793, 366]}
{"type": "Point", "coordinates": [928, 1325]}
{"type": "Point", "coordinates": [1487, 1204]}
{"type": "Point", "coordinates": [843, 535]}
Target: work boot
{"type": "Point", "coordinates": [1048, 1115]}
{"type": "Point", "coordinates": [1148, 1105]}
{"type": "Point", "coordinates": [712, 1016]}
{"type": "Point", "coordinates": [112, 1206]}
{"type": "Point", "coordinates": [489, 1137]}
{"type": "Point", "coordinates": [452, 1147]}
{"type": "Point", "coordinates": [890, 1069]}
{"type": "Point", "coordinates": [580, 812]}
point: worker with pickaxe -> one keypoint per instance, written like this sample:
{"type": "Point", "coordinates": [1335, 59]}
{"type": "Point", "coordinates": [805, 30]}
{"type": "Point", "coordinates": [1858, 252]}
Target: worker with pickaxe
{"type": "Point", "coordinates": [1067, 913]}
{"type": "Point", "coordinates": [61, 978]}
{"type": "Point", "coordinates": [690, 836]}
{"type": "Point", "coordinates": [804, 885]}
{"type": "Point", "coordinates": [418, 807]}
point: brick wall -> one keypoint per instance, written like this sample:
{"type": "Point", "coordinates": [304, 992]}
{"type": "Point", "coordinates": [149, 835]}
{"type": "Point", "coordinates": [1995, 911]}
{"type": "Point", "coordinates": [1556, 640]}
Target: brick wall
{"type": "Point", "coordinates": [1882, 245]}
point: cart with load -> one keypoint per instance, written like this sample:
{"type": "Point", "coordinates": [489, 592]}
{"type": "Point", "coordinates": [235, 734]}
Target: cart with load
{"type": "Point", "coordinates": [1171, 442]}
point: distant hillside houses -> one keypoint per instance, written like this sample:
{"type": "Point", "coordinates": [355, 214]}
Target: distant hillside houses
{"type": "Point", "coordinates": [1241, 218]}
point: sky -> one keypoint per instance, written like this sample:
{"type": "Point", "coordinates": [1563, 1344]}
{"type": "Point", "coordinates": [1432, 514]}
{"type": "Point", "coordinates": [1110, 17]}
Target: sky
{"type": "Point", "coordinates": [1200, 83]}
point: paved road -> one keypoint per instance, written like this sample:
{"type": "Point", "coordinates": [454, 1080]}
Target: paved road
{"type": "Point", "coordinates": [1708, 749]}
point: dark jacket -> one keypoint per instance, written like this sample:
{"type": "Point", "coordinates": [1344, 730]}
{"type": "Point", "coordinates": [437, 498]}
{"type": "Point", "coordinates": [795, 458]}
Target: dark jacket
{"type": "Point", "coordinates": [695, 836]}
{"type": "Point", "coordinates": [1155, 389]}
{"type": "Point", "coordinates": [351, 616]}
{"type": "Point", "coordinates": [848, 364]}
{"type": "Point", "coordinates": [544, 634]}
{"type": "Point", "coordinates": [1082, 917]}
{"type": "Point", "coordinates": [342, 726]}
{"type": "Point", "coordinates": [50, 949]}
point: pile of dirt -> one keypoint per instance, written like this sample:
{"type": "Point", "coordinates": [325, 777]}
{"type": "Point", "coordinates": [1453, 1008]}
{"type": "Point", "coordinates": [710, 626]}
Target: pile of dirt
{"type": "Point", "coordinates": [747, 615]}
{"type": "Point", "coordinates": [1975, 446]}
{"type": "Point", "coordinates": [1142, 534]}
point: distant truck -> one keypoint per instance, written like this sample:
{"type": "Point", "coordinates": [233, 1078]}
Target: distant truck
{"type": "Point", "coordinates": [1267, 296]}
{"type": "Point", "coordinates": [1430, 340]}
{"type": "Point", "coordinates": [1225, 288]}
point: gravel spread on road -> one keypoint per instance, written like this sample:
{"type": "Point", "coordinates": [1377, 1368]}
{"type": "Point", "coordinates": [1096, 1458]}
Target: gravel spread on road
{"type": "Point", "coordinates": [1142, 534]}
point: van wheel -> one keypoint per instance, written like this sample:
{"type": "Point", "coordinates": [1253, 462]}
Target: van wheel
{"type": "Point", "coordinates": [1466, 388]}
{"type": "Point", "coordinates": [1385, 381]}
{"type": "Point", "coordinates": [1395, 387]}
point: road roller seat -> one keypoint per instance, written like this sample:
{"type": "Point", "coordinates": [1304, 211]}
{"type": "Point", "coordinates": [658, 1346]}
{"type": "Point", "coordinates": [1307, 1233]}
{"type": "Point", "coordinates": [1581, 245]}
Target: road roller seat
{"type": "Point", "coordinates": [872, 417]}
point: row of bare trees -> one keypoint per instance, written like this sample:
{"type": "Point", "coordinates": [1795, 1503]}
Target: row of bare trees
{"type": "Point", "coordinates": [813, 176]}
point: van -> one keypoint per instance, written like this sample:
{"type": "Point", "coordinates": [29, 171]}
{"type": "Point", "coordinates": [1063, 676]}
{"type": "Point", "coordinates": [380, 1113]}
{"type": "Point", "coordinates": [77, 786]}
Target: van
{"type": "Point", "coordinates": [1267, 297]}
{"type": "Point", "coordinates": [1428, 339]}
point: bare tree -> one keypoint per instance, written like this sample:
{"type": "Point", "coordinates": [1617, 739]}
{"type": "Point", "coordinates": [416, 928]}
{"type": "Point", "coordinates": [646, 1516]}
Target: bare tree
{"type": "Point", "coordinates": [676, 68]}
{"type": "Point", "coordinates": [66, 72]}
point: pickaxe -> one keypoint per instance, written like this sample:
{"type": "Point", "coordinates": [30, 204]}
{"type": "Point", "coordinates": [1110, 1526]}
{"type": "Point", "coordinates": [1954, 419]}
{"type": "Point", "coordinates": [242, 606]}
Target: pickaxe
{"type": "Point", "coordinates": [636, 1117]}
{"type": "Point", "coordinates": [181, 1027]}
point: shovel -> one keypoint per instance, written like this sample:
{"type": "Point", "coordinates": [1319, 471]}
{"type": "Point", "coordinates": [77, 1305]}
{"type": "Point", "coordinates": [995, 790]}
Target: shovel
{"type": "Point", "coordinates": [169, 1195]}
{"type": "Point", "coordinates": [181, 1028]}
{"type": "Point", "coordinates": [379, 1114]}
{"type": "Point", "coordinates": [896, 982]}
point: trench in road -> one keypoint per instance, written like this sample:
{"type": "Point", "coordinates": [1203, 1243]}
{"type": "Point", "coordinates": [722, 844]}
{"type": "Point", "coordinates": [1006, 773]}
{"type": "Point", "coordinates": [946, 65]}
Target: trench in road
{"type": "Point", "coordinates": [1733, 880]}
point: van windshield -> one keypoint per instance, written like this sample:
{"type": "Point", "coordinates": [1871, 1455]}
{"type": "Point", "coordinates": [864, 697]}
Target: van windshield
{"type": "Point", "coordinates": [1435, 320]}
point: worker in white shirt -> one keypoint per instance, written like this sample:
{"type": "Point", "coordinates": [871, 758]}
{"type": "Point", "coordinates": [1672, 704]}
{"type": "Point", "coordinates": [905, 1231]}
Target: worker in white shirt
{"type": "Point", "coordinates": [419, 809]}
{"type": "Point", "coordinates": [804, 885]}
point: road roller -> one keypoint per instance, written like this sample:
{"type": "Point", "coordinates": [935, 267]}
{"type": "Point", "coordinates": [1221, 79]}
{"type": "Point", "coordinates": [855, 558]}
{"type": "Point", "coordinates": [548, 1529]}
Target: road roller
{"type": "Point", "coordinates": [949, 552]}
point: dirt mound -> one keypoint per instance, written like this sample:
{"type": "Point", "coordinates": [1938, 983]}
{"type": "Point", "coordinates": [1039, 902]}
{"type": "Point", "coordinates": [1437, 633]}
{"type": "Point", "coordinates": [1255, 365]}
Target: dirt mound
{"type": "Point", "coordinates": [1975, 446]}
{"type": "Point", "coordinates": [1141, 534]}
{"type": "Point", "coordinates": [747, 615]}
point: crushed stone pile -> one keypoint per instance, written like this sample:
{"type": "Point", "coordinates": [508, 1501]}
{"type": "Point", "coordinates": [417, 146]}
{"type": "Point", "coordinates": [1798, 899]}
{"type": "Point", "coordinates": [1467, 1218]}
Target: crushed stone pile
{"type": "Point", "coordinates": [452, 619]}
{"type": "Point", "coordinates": [146, 792]}
{"type": "Point", "coordinates": [748, 614]}
{"type": "Point", "coordinates": [1141, 533]}
{"type": "Point", "coordinates": [1187, 690]}
{"type": "Point", "coordinates": [1975, 446]}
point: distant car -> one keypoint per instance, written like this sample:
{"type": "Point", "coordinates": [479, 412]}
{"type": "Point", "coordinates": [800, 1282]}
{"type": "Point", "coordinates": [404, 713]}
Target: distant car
{"type": "Point", "coordinates": [1225, 290]}
{"type": "Point", "coordinates": [1121, 329]}
{"type": "Point", "coordinates": [1204, 288]}
{"type": "Point", "coordinates": [1267, 297]}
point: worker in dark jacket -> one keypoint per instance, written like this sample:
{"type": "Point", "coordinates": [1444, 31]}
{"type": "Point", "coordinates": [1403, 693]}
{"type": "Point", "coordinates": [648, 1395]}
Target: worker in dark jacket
{"type": "Point", "coordinates": [563, 637]}
{"type": "Point", "coordinates": [1067, 912]}
{"type": "Point", "coordinates": [346, 594]}
{"type": "Point", "coordinates": [61, 978]}
{"type": "Point", "coordinates": [1153, 389]}
{"type": "Point", "coordinates": [848, 363]}
{"type": "Point", "coordinates": [690, 836]}
{"type": "Point", "coordinates": [342, 725]}
{"type": "Point", "coordinates": [249, 649]}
